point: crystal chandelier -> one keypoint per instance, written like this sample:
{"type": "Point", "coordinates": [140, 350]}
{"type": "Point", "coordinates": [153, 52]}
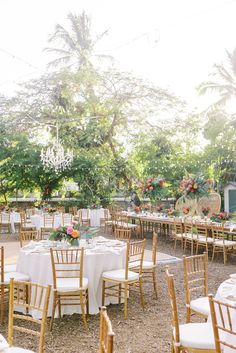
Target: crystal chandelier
{"type": "Point", "coordinates": [55, 157]}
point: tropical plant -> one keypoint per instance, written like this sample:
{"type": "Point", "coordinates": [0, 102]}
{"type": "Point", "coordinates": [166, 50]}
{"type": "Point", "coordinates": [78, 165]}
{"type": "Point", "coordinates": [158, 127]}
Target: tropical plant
{"type": "Point", "coordinates": [76, 47]}
{"type": "Point", "coordinates": [154, 188]}
{"type": "Point", "coordinates": [225, 84]}
{"type": "Point", "coordinates": [195, 186]}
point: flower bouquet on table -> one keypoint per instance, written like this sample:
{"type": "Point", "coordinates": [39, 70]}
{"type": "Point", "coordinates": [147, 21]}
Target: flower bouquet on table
{"type": "Point", "coordinates": [219, 217]}
{"type": "Point", "coordinates": [73, 233]}
{"type": "Point", "coordinates": [205, 210]}
{"type": "Point", "coordinates": [154, 188]}
{"type": "Point", "coordinates": [186, 210]}
{"type": "Point", "coordinates": [50, 210]}
{"type": "Point", "coordinates": [195, 186]}
{"type": "Point", "coordinates": [171, 212]}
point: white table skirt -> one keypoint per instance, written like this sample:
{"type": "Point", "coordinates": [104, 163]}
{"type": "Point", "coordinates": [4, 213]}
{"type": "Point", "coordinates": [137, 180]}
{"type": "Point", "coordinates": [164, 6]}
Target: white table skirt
{"type": "Point", "coordinates": [38, 267]}
{"type": "Point", "coordinates": [14, 218]}
{"type": "Point", "coordinates": [226, 289]}
{"type": "Point", "coordinates": [95, 216]}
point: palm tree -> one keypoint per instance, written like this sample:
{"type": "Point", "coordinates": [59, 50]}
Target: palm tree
{"type": "Point", "coordinates": [225, 84]}
{"type": "Point", "coordinates": [76, 47]}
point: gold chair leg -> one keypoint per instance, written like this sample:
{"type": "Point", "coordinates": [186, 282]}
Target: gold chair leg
{"type": "Point", "coordinates": [87, 303]}
{"type": "Point", "coordinates": [154, 282]}
{"type": "Point", "coordinates": [59, 307]}
{"type": "Point", "coordinates": [83, 311]}
{"type": "Point", "coordinates": [103, 292]}
{"type": "Point", "coordinates": [188, 315]}
{"type": "Point", "coordinates": [2, 303]}
{"type": "Point", "coordinates": [119, 293]}
{"type": "Point", "coordinates": [53, 311]}
{"type": "Point", "coordinates": [126, 301]}
{"type": "Point", "coordinates": [141, 292]}
{"type": "Point", "coordinates": [225, 255]}
{"type": "Point", "coordinates": [213, 253]}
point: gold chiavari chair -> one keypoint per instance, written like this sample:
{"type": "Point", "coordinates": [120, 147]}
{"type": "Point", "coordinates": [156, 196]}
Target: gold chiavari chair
{"type": "Point", "coordinates": [25, 223]}
{"type": "Point", "coordinates": [190, 238]}
{"type": "Point", "coordinates": [190, 337]}
{"type": "Point", "coordinates": [195, 283]}
{"type": "Point", "coordinates": [220, 243]}
{"type": "Point", "coordinates": [123, 234]}
{"type": "Point", "coordinates": [69, 285]}
{"type": "Point", "coordinates": [67, 219]}
{"type": "Point", "coordinates": [106, 333]}
{"type": "Point", "coordinates": [149, 267]}
{"type": "Point", "coordinates": [28, 235]}
{"type": "Point", "coordinates": [28, 296]}
{"type": "Point", "coordinates": [203, 238]}
{"type": "Point", "coordinates": [178, 233]}
{"type": "Point", "coordinates": [5, 281]}
{"type": "Point", "coordinates": [48, 225]}
{"type": "Point", "coordinates": [30, 212]}
{"type": "Point", "coordinates": [5, 222]}
{"type": "Point", "coordinates": [118, 282]}
{"type": "Point", "coordinates": [122, 221]}
{"type": "Point", "coordinates": [223, 317]}
{"type": "Point", "coordinates": [73, 210]}
{"type": "Point", "coordinates": [105, 217]}
{"type": "Point", "coordinates": [84, 216]}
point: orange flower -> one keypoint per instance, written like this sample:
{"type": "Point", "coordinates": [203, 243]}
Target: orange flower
{"type": "Point", "coordinates": [75, 234]}
{"type": "Point", "coordinates": [195, 186]}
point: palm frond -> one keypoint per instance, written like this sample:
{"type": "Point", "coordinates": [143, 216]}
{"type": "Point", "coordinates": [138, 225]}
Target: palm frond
{"type": "Point", "coordinates": [62, 34]}
{"type": "Point", "coordinates": [59, 61]}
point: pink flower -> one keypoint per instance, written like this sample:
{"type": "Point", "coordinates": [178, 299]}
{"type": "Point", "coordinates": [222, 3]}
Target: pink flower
{"type": "Point", "coordinates": [69, 230]}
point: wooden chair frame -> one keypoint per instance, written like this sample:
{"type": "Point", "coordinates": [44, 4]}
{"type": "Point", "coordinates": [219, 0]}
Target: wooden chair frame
{"type": "Point", "coordinates": [115, 288]}
{"type": "Point", "coordinates": [178, 234]}
{"type": "Point", "coordinates": [28, 296]}
{"type": "Point", "coordinates": [106, 332]}
{"type": "Point", "coordinates": [219, 233]}
{"type": "Point", "coordinates": [195, 280]}
{"type": "Point", "coordinates": [67, 219]}
{"type": "Point", "coordinates": [27, 235]}
{"type": "Point", "coordinates": [176, 346]}
{"type": "Point", "coordinates": [222, 322]}
{"type": "Point", "coordinates": [69, 259]}
{"type": "Point", "coordinates": [122, 234]}
{"type": "Point", "coordinates": [48, 224]}
{"type": "Point", "coordinates": [86, 221]}
{"type": "Point", "coordinates": [203, 239]}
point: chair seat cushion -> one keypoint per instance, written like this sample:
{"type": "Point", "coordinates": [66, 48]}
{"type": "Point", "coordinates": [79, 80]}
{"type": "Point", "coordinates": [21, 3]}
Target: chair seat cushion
{"type": "Point", "coordinates": [28, 226]}
{"type": "Point", "coordinates": [179, 235]}
{"type": "Point", "coordinates": [204, 240]}
{"type": "Point", "coordinates": [197, 335]}
{"type": "Point", "coordinates": [225, 243]}
{"type": "Point", "coordinates": [191, 236]}
{"type": "Point", "coordinates": [16, 275]}
{"type": "Point", "coordinates": [147, 265]}
{"type": "Point", "coordinates": [71, 284]}
{"type": "Point", "coordinates": [119, 275]}
{"type": "Point", "coordinates": [16, 350]}
{"type": "Point", "coordinates": [126, 225]}
{"type": "Point", "coordinates": [201, 305]}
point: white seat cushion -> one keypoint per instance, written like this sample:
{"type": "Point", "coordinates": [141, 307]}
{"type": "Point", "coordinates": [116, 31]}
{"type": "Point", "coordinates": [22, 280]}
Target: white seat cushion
{"type": "Point", "coordinates": [179, 236]}
{"type": "Point", "coordinates": [71, 284]}
{"type": "Point", "coordinates": [205, 240]}
{"type": "Point", "coordinates": [119, 275]}
{"type": "Point", "coordinates": [225, 243]}
{"type": "Point", "coordinates": [16, 275]}
{"type": "Point", "coordinates": [16, 350]}
{"type": "Point", "coordinates": [147, 265]}
{"type": "Point", "coordinates": [201, 305]}
{"type": "Point", "coordinates": [191, 236]}
{"type": "Point", "coordinates": [197, 335]}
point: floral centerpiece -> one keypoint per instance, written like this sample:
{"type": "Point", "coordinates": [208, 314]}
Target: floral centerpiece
{"type": "Point", "coordinates": [195, 186]}
{"type": "Point", "coordinates": [205, 210]}
{"type": "Point", "coordinates": [72, 234]}
{"type": "Point", "coordinates": [50, 210]}
{"type": "Point", "coordinates": [219, 217]}
{"type": "Point", "coordinates": [154, 188]}
{"type": "Point", "coordinates": [186, 210]}
{"type": "Point", "coordinates": [171, 212]}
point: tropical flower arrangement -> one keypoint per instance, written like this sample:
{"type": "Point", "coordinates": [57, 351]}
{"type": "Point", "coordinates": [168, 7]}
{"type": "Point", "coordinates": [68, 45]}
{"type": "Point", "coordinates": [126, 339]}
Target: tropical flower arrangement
{"type": "Point", "coordinates": [195, 186]}
{"type": "Point", "coordinates": [171, 212]}
{"type": "Point", "coordinates": [205, 210]}
{"type": "Point", "coordinates": [50, 209]}
{"type": "Point", "coordinates": [72, 234]}
{"type": "Point", "coordinates": [219, 217]}
{"type": "Point", "coordinates": [154, 188]}
{"type": "Point", "coordinates": [186, 210]}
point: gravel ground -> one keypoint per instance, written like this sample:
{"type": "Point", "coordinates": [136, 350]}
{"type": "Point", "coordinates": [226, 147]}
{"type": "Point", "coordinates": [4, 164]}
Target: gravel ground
{"type": "Point", "coordinates": [145, 331]}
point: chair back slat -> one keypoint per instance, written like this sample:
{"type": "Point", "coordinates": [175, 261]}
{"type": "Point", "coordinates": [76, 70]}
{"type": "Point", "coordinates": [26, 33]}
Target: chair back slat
{"type": "Point", "coordinates": [106, 333]}
{"type": "Point", "coordinates": [67, 263]}
{"type": "Point", "coordinates": [195, 276]}
{"type": "Point", "coordinates": [134, 256]}
{"type": "Point", "coordinates": [2, 263]}
{"type": "Point", "coordinates": [222, 316]}
{"type": "Point", "coordinates": [67, 219]}
{"type": "Point", "coordinates": [173, 305]}
{"type": "Point", "coordinates": [28, 296]}
{"type": "Point", "coordinates": [122, 233]}
{"type": "Point", "coordinates": [28, 235]}
{"type": "Point", "coordinates": [48, 221]}
{"type": "Point", "coordinates": [154, 248]}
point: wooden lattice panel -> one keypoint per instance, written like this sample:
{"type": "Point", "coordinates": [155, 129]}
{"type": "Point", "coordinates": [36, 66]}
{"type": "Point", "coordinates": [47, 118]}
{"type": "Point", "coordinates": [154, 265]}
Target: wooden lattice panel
{"type": "Point", "coordinates": [213, 201]}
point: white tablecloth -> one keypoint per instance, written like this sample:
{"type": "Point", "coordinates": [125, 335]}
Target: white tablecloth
{"type": "Point", "coordinates": [227, 293]}
{"type": "Point", "coordinates": [14, 218]}
{"type": "Point", "coordinates": [96, 261]}
{"type": "Point", "coordinates": [95, 216]}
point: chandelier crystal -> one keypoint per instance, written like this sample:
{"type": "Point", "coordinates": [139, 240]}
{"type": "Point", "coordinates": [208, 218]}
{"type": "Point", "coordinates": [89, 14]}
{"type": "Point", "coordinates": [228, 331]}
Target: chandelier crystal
{"type": "Point", "coordinates": [55, 157]}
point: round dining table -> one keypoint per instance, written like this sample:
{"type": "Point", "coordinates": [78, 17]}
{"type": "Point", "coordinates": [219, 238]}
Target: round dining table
{"type": "Point", "coordinates": [102, 255]}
